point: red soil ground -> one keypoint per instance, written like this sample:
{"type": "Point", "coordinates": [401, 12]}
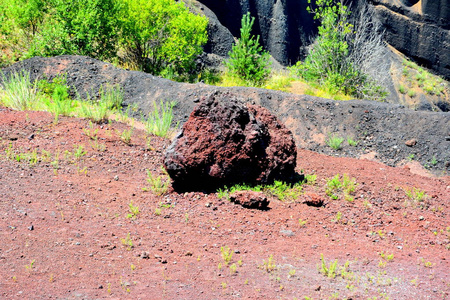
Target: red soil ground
{"type": "Point", "coordinates": [64, 225]}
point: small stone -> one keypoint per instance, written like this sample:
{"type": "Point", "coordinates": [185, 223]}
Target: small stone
{"type": "Point", "coordinates": [411, 142]}
{"type": "Point", "coordinates": [31, 228]}
{"type": "Point", "coordinates": [287, 232]}
{"type": "Point", "coordinates": [116, 178]}
{"type": "Point", "coordinates": [312, 199]}
{"type": "Point", "coordinates": [250, 199]}
{"type": "Point", "coordinates": [421, 218]}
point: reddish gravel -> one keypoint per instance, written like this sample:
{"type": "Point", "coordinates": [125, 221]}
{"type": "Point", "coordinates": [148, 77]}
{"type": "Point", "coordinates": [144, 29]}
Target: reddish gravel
{"type": "Point", "coordinates": [64, 224]}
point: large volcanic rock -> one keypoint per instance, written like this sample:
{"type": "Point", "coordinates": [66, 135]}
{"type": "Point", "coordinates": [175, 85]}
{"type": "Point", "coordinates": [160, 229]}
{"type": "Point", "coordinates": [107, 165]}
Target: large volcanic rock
{"type": "Point", "coordinates": [226, 142]}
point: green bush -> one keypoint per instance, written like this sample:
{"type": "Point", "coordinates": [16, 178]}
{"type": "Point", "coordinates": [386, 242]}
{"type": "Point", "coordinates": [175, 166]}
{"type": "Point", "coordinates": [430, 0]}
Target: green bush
{"type": "Point", "coordinates": [337, 58]}
{"type": "Point", "coordinates": [157, 36]}
{"type": "Point", "coordinates": [248, 61]}
{"type": "Point", "coordinates": [162, 36]}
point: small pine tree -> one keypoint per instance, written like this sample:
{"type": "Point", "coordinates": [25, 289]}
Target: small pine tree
{"type": "Point", "coordinates": [247, 60]}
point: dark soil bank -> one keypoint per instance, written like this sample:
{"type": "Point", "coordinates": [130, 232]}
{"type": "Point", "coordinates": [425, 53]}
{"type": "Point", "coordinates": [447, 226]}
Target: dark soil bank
{"type": "Point", "coordinates": [382, 130]}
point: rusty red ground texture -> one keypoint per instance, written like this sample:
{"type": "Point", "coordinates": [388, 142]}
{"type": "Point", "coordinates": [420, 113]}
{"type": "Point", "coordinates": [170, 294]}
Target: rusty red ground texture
{"type": "Point", "coordinates": [78, 220]}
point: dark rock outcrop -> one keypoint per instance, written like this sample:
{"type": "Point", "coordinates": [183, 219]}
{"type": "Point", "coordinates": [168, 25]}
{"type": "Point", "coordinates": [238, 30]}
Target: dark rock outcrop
{"type": "Point", "coordinates": [419, 29]}
{"type": "Point", "coordinates": [220, 39]}
{"type": "Point", "coordinates": [225, 142]}
{"type": "Point", "coordinates": [285, 26]}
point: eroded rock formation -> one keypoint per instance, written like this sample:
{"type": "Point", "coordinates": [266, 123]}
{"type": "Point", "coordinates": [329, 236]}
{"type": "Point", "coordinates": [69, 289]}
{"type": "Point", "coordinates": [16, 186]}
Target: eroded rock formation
{"type": "Point", "coordinates": [420, 29]}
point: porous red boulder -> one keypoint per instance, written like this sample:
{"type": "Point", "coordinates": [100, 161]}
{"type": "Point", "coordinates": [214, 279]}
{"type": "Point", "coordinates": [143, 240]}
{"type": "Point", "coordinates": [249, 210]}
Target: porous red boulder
{"type": "Point", "coordinates": [250, 199]}
{"type": "Point", "coordinates": [225, 142]}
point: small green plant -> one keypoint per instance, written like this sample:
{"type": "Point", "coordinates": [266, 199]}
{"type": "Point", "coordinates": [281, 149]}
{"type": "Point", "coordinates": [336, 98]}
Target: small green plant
{"type": "Point", "coordinates": [112, 96]}
{"type": "Point", "coordinates": [285, 191]}
{"type": "Point", "coordinates": [248, 61]}
{"type": "Point", "coordinates": [415, 194]}
{"type": "Point", "coordinates": [125, 136]}
{"type": "Point", "coordinates": [311, 179]}
{"type": "Point", "coordinates": [302, 223]}
{"type": "Point", "coordinates": [281, 190]}
{"type": "Point", "coordinates": [328, 271]}
{"type": "Point", "coordinates": [159, 121]}
{"type": "Point", "coordinates": [18, 91]}
{"type": "Point", "coordinates": [91, 132]}
{"type": "Point", "coordinates": [405, 72]}
{"type": "Point", "coordinates": [269, 265]}
{"type": "Point", "coordinates": [97, 112]}
{"type": "Point", "coordinates": [159, 185]}
{"type": "Point", "coordinates": [411, 93]}
{"type": "Point", "coordinates": [433, 161]}
{"type": "Point", "coordinates": [352, 142]}
{"type": "Point", "coordinates": [30, 266]}
{"type": "Point", "coordinates": [134, 210]}
{"type": "Point", "coordinates": [426, 264]}
{"type": "Point", "coordinates": [338, 217]}
{"type": "Point", "coordinates": [226, 254]}
{"type": "Point", "coordinates": [56, 97]}
{"type": "Point", "coordinates": [233, 269]}
{"type": "Point", "coordinates": [386, 256]}
{"type": "Point", "coordinates": [291, 273]}
{"type": "Point", "coordinates": [127, 241]}
{"type": "Point", "coordinates": [79, 152]}
{"type": "Point", "coordinates": [335, 187]}
{"type": "Point", "coordinates": [411, 157]}
{"type": "Point", "coordinates": [334, 141]}
{"type": "Point", "coordinates": [402, 89]}
{"type": "Point", "coordinates": [223, 193]}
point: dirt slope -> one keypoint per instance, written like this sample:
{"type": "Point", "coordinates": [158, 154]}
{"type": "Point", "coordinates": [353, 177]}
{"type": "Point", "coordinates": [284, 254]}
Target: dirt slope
{"type": "Point", "coordinates": [381, 129]}
{"type": "Point", "coordinates": [64, 226]}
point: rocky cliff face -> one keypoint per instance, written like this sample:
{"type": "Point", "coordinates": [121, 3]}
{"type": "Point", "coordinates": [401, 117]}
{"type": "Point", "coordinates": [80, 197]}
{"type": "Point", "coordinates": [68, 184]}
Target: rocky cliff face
{"type": "Point", "coordinates": [285, 26]}
{"type": "Point", "coordinates": [418, 28]}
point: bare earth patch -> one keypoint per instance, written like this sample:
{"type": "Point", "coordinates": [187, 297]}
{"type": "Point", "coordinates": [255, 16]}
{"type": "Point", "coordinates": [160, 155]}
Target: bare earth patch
{"type": "Point", "coordinates": [68, 229]}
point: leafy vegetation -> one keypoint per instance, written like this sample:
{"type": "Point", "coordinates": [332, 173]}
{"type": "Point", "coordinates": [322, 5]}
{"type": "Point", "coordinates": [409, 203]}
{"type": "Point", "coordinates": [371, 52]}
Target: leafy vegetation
{"type": "Point", "coordinates": [335, 187]}
{"type": "Point", "coordinates": [162, 36]}
{"type": "Point", "coordinates": [334, 141]}
{"type": "Point", "coordinates": [159, 185]}
{"type": "Point", "coordinates": [340, 56]}
{"type": "Point", "coordinates": [281, 190]}
{"type": "Point", "coordinates": [248, 62]}
{"type": "Point", "coordinates": [418, 79]}
{"type": "Point", "coordinates": [157, 36]}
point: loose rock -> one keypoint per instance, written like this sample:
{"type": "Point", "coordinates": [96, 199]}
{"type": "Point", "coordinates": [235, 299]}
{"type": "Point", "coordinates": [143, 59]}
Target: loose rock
{"type": "Point", "coordinates": [225, 142]}
{"type": "Point", "coordinates": [250, 199]}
